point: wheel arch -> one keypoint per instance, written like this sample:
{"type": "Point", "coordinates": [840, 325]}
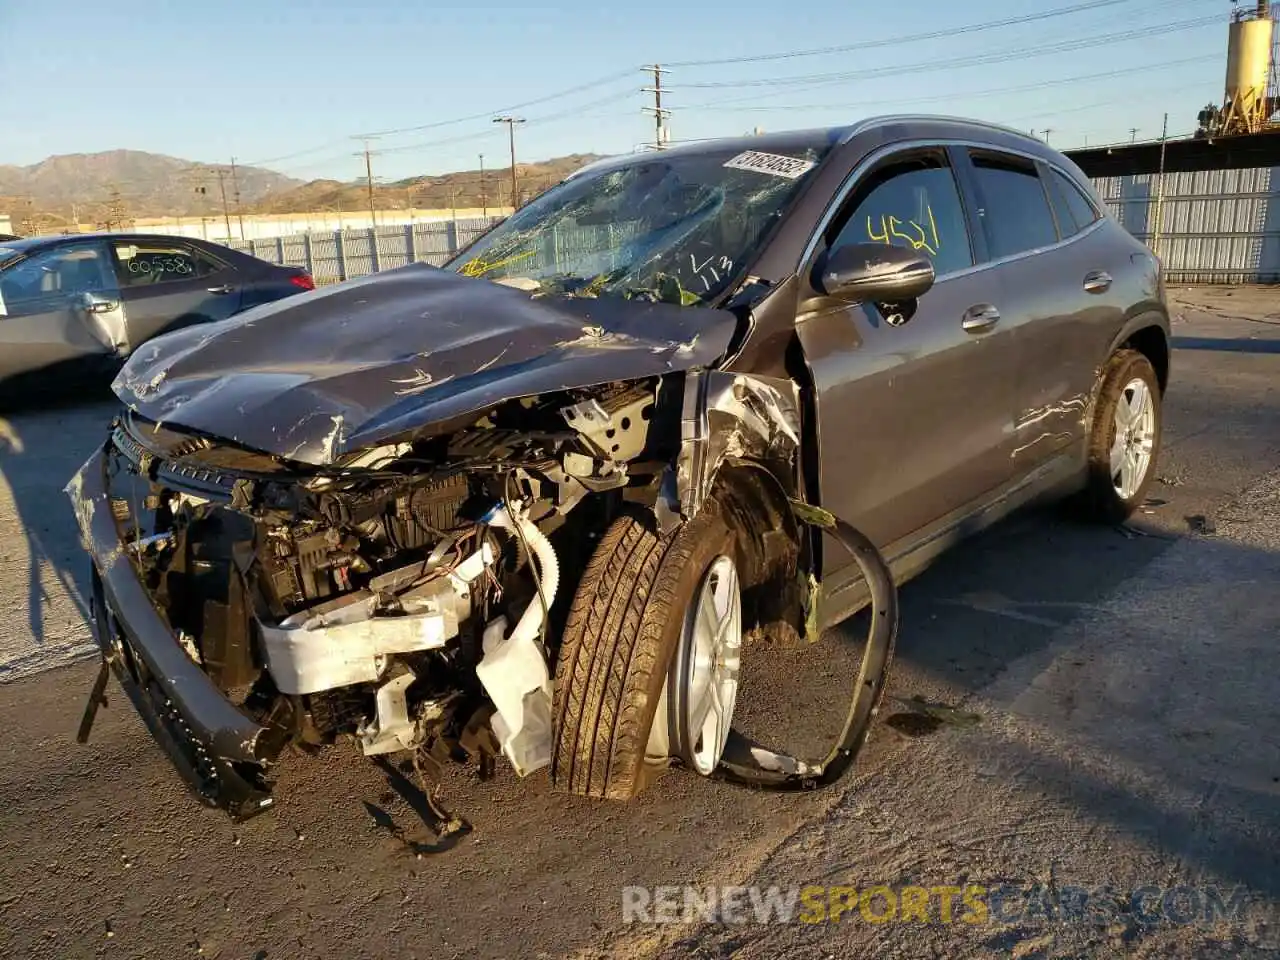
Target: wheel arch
{"type": "Point", "coordinates": [1147, 333]}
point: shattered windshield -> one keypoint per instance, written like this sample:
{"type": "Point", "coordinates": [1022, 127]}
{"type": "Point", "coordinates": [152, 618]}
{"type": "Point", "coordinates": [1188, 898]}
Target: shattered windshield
{"type": "Point", "coordinates": [670, 227]}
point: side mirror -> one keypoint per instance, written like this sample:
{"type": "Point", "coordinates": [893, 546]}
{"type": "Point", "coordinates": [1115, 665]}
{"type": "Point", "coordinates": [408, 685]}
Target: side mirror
{"type": "Point", "coordinates": [875, 273]}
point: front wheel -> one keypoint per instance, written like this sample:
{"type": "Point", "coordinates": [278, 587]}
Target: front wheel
{"type": "Point", "coordinates": [649, 605]}
{"type": "Point", "coordinates": [1125, 437]}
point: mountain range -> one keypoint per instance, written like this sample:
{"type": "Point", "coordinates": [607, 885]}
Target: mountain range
{"type": "Point", "coordinates": [89, 187]}
{"type": "Point", "coordinates": [460, 189]}
{"type": "Point", "coordinates": [112, 188]}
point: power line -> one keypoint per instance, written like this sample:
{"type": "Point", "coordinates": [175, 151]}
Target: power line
{"type": "Point", "coordinates": [579, 88]}
{"type": "Point", "coordinates": [971, 60]}
{"type": "Point", "coordinates": [577, 112]}
{"type": "Point", "coordinates": [559, 94]}
{"type": "Point", "coordinates": [1079, 108]}
{"type": "Point", "coordinates": [861, 45]}
{"type": "Point", "coordinates": [719, 106]}
{"type": "Point", "coordinates": [297, 153]}
{"type": "Point", "coordinates": [907, 38]}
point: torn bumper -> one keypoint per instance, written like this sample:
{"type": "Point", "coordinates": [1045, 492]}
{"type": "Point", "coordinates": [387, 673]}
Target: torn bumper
{"type": "Point", "coordinates": [220, 752]}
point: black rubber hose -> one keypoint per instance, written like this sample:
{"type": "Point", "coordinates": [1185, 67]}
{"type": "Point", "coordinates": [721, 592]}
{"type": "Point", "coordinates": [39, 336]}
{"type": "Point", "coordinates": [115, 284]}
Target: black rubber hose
{"type": "Point", "coordinates": [747, 762]}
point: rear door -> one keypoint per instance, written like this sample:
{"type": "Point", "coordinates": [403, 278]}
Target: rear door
{"type": "Point", "coordinates": [1052, 292]}
{"type": "Point", "coordinates": [58, 307]}
{"type": "Point", "coordinates": [171, 284]}
{"type": "Point", "coordinates": [914, 419]}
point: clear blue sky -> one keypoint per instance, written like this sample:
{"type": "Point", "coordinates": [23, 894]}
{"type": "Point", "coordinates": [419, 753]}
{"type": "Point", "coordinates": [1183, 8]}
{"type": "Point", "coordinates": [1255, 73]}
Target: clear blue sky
{"type": "Point", "coordinates": [294, 80]}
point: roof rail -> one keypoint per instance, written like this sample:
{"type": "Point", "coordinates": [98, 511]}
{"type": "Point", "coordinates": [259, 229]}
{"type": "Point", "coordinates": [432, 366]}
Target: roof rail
{"type": "Point", "coordinates": [936, 118]}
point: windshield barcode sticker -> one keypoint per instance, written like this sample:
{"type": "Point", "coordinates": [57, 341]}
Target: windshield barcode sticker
{"type": "Point", "coordinates": [780, 166]}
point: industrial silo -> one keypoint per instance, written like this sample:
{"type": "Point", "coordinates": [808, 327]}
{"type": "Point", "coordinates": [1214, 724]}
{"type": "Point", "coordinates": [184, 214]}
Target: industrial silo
{"type": "Point", "coordinates": [1245, 105]}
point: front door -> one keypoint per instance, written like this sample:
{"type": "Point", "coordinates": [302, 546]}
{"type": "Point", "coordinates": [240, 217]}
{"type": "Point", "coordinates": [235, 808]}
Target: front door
{"type": "Point", "coordinates": [914, 419]}
{"type": "Point", "coordinates": [59, 309]}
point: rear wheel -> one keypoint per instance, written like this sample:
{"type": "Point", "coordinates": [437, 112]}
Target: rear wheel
{"type": "Point", "coordinates": [1125, 437]}
{"type": "Point", "coordinates": [648, 606]}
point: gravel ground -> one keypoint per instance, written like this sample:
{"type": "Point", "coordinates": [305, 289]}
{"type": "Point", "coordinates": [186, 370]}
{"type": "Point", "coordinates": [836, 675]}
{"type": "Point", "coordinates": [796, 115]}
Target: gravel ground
{"type": "Point", "coordinates": [1123, 687]}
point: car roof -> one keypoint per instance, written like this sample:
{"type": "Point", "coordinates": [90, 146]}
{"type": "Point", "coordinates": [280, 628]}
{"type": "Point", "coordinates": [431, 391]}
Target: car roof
{"type": "Point", "coordinates": [788, 141]}
{"type": "Point", "coordinates": [31, 243]}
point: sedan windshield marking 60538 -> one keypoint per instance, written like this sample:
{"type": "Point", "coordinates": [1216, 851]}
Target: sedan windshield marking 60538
{"type": "Point", "coordinates": [790, 167]}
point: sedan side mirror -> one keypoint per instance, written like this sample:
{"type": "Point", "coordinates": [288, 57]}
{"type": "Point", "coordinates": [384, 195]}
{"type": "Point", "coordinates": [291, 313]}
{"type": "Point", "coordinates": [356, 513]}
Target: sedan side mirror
{"type": "Point", "coordinates": [875, 273]}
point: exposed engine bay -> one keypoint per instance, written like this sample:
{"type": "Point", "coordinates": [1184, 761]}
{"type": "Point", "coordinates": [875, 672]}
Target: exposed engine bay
{"type": "Point", "coordinates": [401, 596]}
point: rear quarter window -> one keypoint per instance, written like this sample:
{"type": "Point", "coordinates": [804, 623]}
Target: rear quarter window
{"type": "Point", "coordinates": [1079, 209]}
{"type": "Point", "coordinates": [1013, 207]}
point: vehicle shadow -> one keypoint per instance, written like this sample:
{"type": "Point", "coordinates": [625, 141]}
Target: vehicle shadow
{"type": "Point", "coordinates": [1149, 714]}
{"type": "Point", "coordinates": [1226, 344]}
{"type": "Point", "coordinates": [1004, 594]}
{"type": "Point", "coordinates": [42, 444]}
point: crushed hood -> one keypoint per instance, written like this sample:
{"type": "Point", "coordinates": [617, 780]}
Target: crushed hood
{"type": "Point", "coordinates": [317, 375]}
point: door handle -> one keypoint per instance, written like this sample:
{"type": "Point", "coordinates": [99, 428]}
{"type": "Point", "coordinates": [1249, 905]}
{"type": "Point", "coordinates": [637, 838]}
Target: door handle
{"type": "Point", "coordinates": [1097, 281]}
{"type": "Point", "coordinates": [980, 317]}
{"type": "Point", "coordinates": [101, 306]}
{"type": "Point", "coordinates": [225, 288]}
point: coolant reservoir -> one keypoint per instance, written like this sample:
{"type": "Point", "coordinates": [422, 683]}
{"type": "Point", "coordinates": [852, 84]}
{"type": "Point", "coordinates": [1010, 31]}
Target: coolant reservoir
{"type": "Point", "coordinates": [515, 676]}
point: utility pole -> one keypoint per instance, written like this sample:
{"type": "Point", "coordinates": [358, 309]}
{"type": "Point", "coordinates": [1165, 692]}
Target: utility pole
{"type": "Point", "coordinates": [226, 212]}
{"type": "Point", "coordinates": [660, 132]}
{"type": "Point", "coordinates": [1155, 237]}
{"type": "Point", "coordinates": [1133, 134]}
{"type": "Point", "coordinates": [235, 189]}
{"type": "Point", "coordinates": [484, 197]}
{"type": "Point", "coordinates": [1046, 132]}
{"type": "Point", "coordinates": [511, 134]}
{"type": "Point", "coordinates": [116, 212]}
{"type": "Point", "coordinates": [368, 179]}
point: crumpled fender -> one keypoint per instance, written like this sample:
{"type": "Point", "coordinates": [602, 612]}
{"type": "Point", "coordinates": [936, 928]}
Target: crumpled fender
{"type": "Point", "coordinates": [724, 416]}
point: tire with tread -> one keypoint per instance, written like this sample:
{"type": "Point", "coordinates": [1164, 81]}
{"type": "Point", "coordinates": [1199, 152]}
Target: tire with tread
{"type": "Point", "coordinates": [621, 633]}
{"type": "Point", "coordinates": [1100, 499]}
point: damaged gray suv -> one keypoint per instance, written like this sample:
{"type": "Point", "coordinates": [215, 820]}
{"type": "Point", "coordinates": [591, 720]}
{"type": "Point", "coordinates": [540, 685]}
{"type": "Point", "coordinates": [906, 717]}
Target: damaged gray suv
{"type": "Point", "coordinates": [527, 506]}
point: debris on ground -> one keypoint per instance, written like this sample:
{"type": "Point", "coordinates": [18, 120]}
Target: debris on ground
{"type": "Point", "coordinates": [924, 716]}
{"type": "Point", "coordinates": [1199, 523]}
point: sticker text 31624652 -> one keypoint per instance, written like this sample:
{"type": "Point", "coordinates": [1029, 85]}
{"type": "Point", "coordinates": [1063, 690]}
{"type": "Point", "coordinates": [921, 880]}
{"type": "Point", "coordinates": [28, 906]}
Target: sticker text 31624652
{"type": "Point", "coordinates": [779, 166]}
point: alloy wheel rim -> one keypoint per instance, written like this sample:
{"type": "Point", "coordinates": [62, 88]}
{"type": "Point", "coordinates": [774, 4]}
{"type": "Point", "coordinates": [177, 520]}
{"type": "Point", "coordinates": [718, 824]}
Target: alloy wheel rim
{"type": "Point", "coordinates": [1133, 445]}
{"type": "Point", "coordinates": [712, 656]}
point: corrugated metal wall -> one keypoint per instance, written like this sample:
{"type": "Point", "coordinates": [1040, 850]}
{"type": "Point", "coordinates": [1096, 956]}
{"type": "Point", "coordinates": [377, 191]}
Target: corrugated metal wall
{"type": "Point", "coordinates": [1207, 226]}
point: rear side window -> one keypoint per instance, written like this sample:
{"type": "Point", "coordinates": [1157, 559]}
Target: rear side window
{"type": "Point", "coordinates": [145, 264]}
{"type": "Point", "coordinates": [1074, 210]}
{"type": "Point", "coordinates": [911, 203]}
{"type": "Point", "coordinates": [1014, 210]}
